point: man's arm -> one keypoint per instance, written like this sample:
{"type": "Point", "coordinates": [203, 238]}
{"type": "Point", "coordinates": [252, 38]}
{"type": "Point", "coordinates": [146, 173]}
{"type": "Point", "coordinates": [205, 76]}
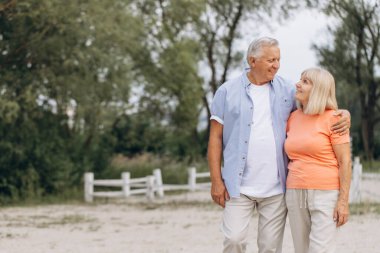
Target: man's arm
{"type": "Point", "coordinates": [218, 190]}
{"type": "Point", "coordinates": [344, 123]}
{"type": "Point", "coordinates": [341, 212]}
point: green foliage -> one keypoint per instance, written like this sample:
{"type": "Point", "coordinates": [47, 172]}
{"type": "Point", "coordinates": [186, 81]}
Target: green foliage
{"type": "Point", "coordinates": [354, 58]}
{"type": "Point", "coordinates": [365, 208]}
{"type": "Point", "coordinates": [135, 135]}
{"type": "Point", "coordinates": [58, 58]}
{"type": "Point", "coordinates": [173, 172]}
{"type": "Point", "coordinates": [371, 166]}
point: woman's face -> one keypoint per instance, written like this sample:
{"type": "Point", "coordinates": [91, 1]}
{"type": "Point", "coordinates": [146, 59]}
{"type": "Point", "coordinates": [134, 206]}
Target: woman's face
{"type": "Point", "coordinates": [304, 87]}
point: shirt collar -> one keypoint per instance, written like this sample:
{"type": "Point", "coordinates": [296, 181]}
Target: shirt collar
{"type": "Point", "coordinates": [246, 81]}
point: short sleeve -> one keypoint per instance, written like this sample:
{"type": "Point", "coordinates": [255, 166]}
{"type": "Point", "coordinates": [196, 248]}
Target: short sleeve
{"type": "Point", "coordinates": [289, 121]}
{"type": "Point", "coordinates": [336, 138]}
{"type": "Point", "coordinates": [217, 105]}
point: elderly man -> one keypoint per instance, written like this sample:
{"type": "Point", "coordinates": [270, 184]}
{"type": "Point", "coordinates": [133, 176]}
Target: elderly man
{"type": "Point", "coordinates": [248, 124]}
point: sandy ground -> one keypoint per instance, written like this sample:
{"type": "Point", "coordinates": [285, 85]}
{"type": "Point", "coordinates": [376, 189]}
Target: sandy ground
{"type": "Point", "coordinates": [187, 222]}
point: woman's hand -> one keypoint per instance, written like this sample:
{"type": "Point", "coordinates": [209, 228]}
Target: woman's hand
{"type": "Point", "coordinates": [341, 212]}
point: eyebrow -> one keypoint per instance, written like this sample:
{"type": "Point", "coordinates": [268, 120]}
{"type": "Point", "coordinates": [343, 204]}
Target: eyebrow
{"type": "Point", "coordinates": [307, 79]}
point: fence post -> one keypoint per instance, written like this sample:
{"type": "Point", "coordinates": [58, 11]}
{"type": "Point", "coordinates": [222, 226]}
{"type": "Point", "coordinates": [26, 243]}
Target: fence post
{"type": "Point", "coordinates": [192, 180]}
{"type": "Point", "coordinates": [159, 185]}
{"type": "Point", "coordinates": [355, 190]}
{"type": "Point", "coordinates": [150, 187]}
{"type": "Point", "coordinates": [88, 186]}
{"type": "Point", "coordinates": [126, 179]}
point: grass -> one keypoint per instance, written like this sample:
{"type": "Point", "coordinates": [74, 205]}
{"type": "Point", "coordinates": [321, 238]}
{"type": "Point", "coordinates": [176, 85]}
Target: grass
{"type": "Point", "coordinates": [68, 196]}
{"type": "Point", "coordinates": [365, 208]}
{"type": "Point", "coordinates": [45, 221]}
{"type": "Point", "coordinates": [64, 220]}
{"type": "Point", "coordinates": [173, 172]}
{"type": "Point", "coordinates": [373, 166]}
{"type": "Point", "coordinates": [11, 235]}
{"type": "Point", "coordinates": [176, 205]}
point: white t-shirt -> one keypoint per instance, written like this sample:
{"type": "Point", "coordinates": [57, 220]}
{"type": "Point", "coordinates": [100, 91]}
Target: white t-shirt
{"type": "Point", "coordinates": [260, 178]}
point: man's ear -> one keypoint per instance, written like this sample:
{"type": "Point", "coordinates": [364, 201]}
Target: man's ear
{"type": "Point", "coordinates": [251, 61]}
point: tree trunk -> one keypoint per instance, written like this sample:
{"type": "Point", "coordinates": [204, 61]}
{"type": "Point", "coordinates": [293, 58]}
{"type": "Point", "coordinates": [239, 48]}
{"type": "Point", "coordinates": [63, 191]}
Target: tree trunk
{"type": "Point", "coordinates": [365, 136]}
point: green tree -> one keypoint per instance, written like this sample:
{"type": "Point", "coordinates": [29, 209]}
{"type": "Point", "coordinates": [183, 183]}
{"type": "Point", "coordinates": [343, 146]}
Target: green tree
{"type": "Point", "coordinates": [354, 59]}
{"type": "Point", "coordinates": [167, 71]}
{"type": "Point", "coordinates": [66, 73]}
{"type": "Point", "coordinates": [186, 41]}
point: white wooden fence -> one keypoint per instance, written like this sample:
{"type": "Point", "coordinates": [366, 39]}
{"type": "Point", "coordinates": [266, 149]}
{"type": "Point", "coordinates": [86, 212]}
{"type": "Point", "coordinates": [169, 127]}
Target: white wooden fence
{"type": "Point", "coordinates": [153, 185]}
{"type": "Point", "coordinates": [356, 181]}
{"type": "Point", "coordinates": [192, 184]}
{"type": "Point", "coordinates": [150, 185]}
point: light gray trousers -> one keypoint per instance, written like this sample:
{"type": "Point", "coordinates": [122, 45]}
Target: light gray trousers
{"type": "Point", "coordinates": [311, 219]}
{"type": "Point", "coordinates": [237, 216]}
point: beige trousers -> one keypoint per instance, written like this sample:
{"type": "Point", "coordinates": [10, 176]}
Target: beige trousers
{"type": "Point", "coordinates": [237, 215]}
{"type": "Point", "coordinates": [311, 219]}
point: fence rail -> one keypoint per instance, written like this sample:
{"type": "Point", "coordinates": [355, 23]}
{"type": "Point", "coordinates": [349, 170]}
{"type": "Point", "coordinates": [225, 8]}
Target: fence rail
{"type": "Point", "coordinates": [371, 176]}
{"type": "Point", "coordinates": [151, 185]}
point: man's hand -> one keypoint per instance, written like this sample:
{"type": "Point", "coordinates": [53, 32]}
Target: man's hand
{"type": "Point", "coordinates": [219, 193]}
{"type": "Point", "coordinates": [343, 125]}
{"type": "Point", "coordinates": [341, 213]}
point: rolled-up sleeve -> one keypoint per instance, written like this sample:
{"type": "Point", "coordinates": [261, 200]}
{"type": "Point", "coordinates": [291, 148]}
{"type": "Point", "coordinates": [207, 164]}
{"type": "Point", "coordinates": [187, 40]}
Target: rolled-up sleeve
{"type": "Point", "coordinates": [217, 105]}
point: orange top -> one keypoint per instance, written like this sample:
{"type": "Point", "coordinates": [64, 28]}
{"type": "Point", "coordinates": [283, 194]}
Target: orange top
{"type": "Point", "coordinates": [309, 141]}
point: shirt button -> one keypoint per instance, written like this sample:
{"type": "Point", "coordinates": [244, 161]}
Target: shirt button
{"type": "Point", "coordinates": [249, 124]}
{"type": "Point", "coordinates": [251, 107]}
{"type": "Point", "coordinates": [245, 142]}
{"type": "Point", "coordinates": [243, 157]}
{"type": "Point", "coordinates": [239, 174]}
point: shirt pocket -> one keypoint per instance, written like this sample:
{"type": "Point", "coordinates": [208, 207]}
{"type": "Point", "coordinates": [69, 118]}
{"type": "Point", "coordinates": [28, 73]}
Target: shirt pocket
{"type": "Point", "coordinates": [233, 109]}
{"type": "Point", "coordinates": [286, 106]}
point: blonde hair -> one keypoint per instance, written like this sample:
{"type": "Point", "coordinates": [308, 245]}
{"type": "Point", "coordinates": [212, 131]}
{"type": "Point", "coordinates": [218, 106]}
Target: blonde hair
{"type": "Point", "coordinates": [322, 94]}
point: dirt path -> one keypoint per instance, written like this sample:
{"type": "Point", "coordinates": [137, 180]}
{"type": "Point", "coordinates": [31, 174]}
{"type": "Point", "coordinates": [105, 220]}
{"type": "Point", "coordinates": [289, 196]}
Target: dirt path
{"type": "Point", "coordinates": [180, 223]}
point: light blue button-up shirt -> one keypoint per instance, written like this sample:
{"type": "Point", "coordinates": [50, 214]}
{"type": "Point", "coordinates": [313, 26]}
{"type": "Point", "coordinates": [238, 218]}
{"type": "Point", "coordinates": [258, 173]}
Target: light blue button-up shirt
{"type": "Point", "coordinates": [233, 107]}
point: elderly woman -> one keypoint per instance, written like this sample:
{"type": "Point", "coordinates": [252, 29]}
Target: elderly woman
{"type": "Point", "coordinates": [319, 168]}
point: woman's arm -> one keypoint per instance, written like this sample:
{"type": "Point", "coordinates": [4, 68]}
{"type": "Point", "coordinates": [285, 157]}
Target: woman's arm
{"type": "Point", "coordinates": [342, 153]}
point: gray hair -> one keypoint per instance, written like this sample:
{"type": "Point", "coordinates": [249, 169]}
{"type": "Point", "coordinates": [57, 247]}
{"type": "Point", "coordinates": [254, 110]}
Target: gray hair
{"type": "Point", "coordinates": [256, 46]}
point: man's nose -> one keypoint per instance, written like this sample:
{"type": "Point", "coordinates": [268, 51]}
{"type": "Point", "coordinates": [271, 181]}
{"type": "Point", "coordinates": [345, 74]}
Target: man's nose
{"type": "Point", "coordinates": [276, 64]}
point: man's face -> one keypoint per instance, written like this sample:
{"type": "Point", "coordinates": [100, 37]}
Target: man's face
{"type": "Point", "coordinates": [267, 64]}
